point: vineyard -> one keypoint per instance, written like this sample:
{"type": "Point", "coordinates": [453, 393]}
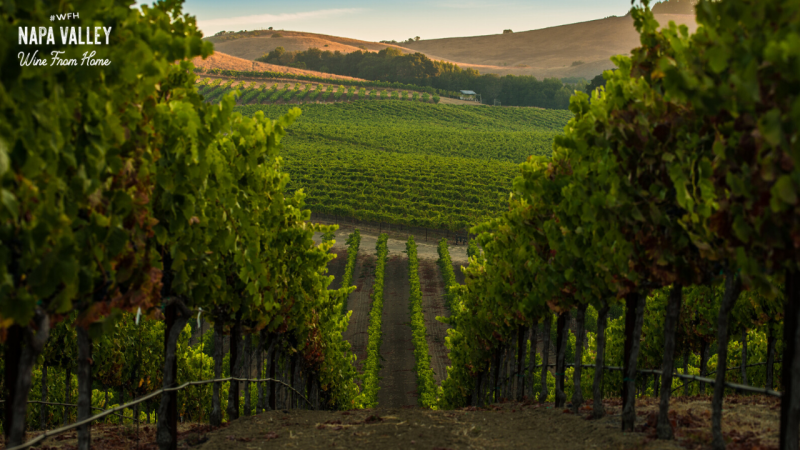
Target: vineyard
{"type": "Point", "coordinates": [283, 92]}
{"type": "Point", "coordinates": [436, 166]}
{"type": "Point", "coordinates": [359, 84]}
{"type": "Point", "coordinates": [636, 264]}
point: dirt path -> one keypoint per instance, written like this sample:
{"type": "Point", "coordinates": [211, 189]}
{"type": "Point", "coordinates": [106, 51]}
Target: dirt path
{"type": "Point", "coordinates": [108, 436]}
{"type": "Point", "coordinates": [749, 422]}
{"type": "Point", "coordinates": [460, 277]}
{"type": "Point", "coordinates": [433, 304]}
{"type": "Point", "coordinates": [360, 303]}
{"type": "Point", "coordinates": [398, 385]}
{"type": "Point", "coordinates": [510, 426]}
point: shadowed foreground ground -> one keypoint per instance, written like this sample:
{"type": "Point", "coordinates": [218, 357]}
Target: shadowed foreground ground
{"type": "Point", "coordinates": [749, 422]}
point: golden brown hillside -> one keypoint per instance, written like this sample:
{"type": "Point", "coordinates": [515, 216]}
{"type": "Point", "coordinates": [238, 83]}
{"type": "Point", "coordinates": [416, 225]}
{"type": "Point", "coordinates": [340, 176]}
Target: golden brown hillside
{"type": "Point", "coordinates": [548, 52]}
{"type": "Point", "coordinates": [257, 43]}
{"type": "Point", "coordinates": [580, 49]}
{"type": "Point", "coordinates": [219, 60]}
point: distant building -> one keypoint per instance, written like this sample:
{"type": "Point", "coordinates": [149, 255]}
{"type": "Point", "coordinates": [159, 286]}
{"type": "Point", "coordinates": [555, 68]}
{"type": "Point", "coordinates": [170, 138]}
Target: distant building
{"type": "Point", "coordinates": [468, 95]}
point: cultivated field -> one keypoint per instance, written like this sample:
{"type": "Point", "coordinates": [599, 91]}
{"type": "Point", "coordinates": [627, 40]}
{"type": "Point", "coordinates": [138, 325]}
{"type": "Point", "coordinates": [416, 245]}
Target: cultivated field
{"type": "Point", "coordinates": [261, 84]}
{"type": "Point", "coordinates": [436, 166]}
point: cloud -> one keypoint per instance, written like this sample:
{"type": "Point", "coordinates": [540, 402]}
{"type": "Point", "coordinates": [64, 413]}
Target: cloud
{"type": "Point", "coordinates": [268, 19]}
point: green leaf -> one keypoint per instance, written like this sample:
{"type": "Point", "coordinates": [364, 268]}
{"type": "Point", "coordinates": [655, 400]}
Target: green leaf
{"type": "Point", "coordinates": [116, 241]}
{"type": "Point", "coordinates": [10, 203]}
{"type": "Point", "coordinates": [123, 203]}
{"type": "Point", "coordinates": [770, 126]}
{"type": "Point", "coordinates": [718, 58]}
{"type": "Point", "coordinates": [161, 234]}
{"type": "Point", "coordinates": [742, 229]}
{"type": "Point", "coordinates": [100, 219]}
{"type": "Point", "coordinates": [636, 214]}
{"type": "Point", "coordinates": [718, 148]}
{"type": "Point", "coordinates": [785, 190]}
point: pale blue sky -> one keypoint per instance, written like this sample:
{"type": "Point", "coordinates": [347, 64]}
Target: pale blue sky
{"type": "Point", "coordinates": [399, 20]}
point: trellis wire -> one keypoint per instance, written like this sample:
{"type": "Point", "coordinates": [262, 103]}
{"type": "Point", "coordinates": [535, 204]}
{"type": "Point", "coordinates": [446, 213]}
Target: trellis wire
{"type": "Point", "coordinates": [741, 387]}
{"type": "Point", "coordinates": [65, 404]}
{"type": "Point", "coordinates": [57, 431]}
{"type": "Point", "coordinates": [729, 369]}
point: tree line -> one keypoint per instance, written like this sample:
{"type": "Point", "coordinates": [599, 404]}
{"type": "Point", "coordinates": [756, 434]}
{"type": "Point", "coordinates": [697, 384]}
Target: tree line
{"type": "Point", "coordinates": [391, 65]}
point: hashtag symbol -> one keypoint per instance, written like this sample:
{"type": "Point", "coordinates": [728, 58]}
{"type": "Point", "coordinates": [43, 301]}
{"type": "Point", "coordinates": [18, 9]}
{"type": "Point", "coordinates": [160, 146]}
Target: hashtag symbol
{"type": "Point", "coordinates": [52, 18]}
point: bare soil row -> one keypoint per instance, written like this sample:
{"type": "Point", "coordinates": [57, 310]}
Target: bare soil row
{"type": "Point", "coordinates": [360, 303]}
{"type": "Point", "coordinates": [398, 386]}
{"type": "Point", "coordinates": [750, 423]}
{"type": "Point", "coordinates": [433, 305]}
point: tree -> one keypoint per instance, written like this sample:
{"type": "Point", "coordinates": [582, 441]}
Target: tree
{"type": "Point", "coordinates": [507, 31]}
{"type": "Point", "coordinates": [675, 7]}
{"type": "Point", "coordinates": [596, 82]}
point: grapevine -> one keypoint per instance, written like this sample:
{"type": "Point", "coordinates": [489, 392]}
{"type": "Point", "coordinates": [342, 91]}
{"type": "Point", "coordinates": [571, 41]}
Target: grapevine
{"type": "Point", "coordinates": [372, 365]}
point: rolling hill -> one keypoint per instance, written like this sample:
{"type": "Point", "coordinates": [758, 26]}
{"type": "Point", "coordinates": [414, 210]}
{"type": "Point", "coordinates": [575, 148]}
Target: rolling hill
{"type": "Point", "coordinates": [219, 60]}
{"type": "Point", "coordinates": [580, 49]}
{"type": "Point", "coordinates": [252, 44]}
{"type": "Point", "coordinates": [548, 52]}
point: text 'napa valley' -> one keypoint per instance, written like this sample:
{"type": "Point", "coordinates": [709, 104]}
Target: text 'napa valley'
{"type": "Point", "coordinates": [69, 36]}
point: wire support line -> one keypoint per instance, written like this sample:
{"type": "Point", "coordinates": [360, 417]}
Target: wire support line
{"type": "Point", "coordinates": [737, 386]}
{"type": "Point", "coordinates": [116, 409]}
{"type": "Point", "coordinates": [66, 404]}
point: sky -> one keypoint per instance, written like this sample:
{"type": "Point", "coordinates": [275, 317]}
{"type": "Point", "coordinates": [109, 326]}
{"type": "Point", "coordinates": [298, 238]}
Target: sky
{"type": "Point", "coordinates": [398, 20]}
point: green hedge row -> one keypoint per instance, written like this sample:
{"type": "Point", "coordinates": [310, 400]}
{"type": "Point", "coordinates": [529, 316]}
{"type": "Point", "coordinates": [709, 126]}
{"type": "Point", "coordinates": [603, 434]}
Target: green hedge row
{"type": "Point", "coordinates": [372, 366]}
{"type": "Point", "coordinates": [352, 251]}
{"type": "Point", "coordinates": [426, 386]}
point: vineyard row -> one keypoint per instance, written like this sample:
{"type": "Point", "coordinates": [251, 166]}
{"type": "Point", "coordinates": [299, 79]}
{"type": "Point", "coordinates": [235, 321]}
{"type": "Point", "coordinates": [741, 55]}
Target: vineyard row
{"type": "Point", "coordinates": [426, 386]}
{"type": "Point", "coordinates": [315, 79]}
{"type": "Point", "coordinates": [372, 365]}
{"type": "Point", "coordinates": [655, 206]}
{"type": "Point", "coordinates": [214, 90]}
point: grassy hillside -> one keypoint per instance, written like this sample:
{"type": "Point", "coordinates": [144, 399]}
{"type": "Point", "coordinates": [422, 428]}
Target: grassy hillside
{"type": "Point", "coordinates": [575, 50]}
{"type": "Point", "coordinates": [440, 166]}
{"type": "Point", "coordinates": [219, 60]}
